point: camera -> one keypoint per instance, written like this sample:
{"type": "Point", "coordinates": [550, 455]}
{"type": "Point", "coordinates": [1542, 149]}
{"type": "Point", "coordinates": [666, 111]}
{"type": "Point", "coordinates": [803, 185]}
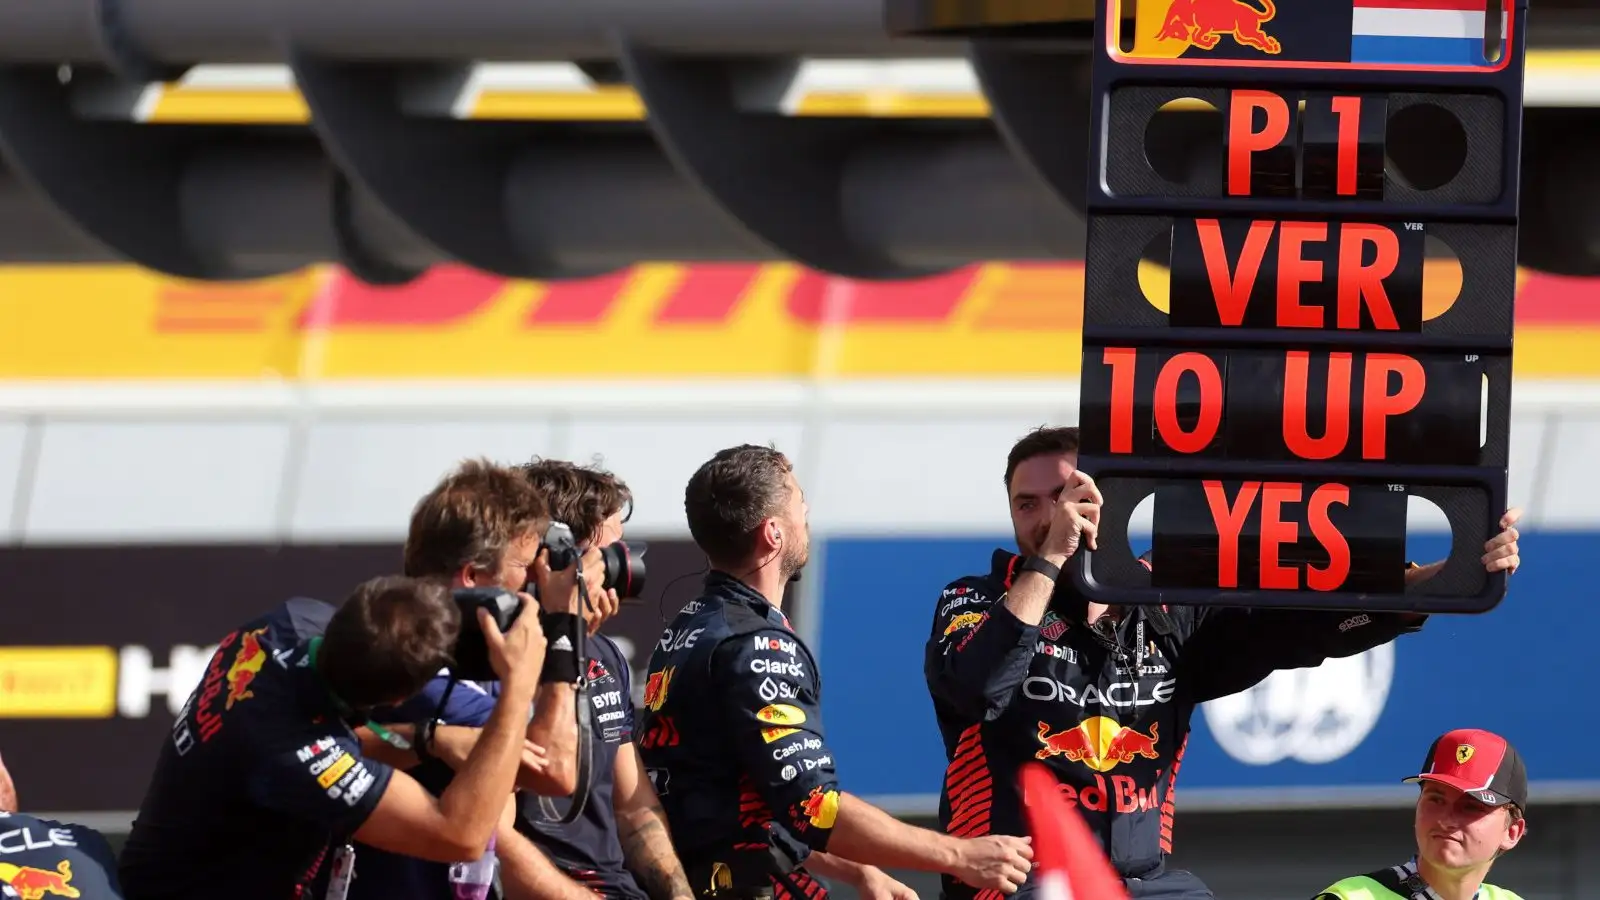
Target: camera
{"type": "Point", "coordinates": [471, 651]}
{"type": "Point", "coordinates": [562, 548]}
{"type": "Point", "coordinates": [623, 563]}
{"type": "Point", "coordinates": [625, 568]}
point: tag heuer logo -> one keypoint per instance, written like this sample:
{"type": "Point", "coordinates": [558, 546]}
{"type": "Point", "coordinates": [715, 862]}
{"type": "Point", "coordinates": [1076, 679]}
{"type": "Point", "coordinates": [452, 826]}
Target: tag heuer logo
{"type": "Point", "coordinates": [1054, 627]}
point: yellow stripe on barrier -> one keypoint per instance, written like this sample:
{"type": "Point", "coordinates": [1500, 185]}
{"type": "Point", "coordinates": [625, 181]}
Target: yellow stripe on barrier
{"type": "Point", "coordinates": [220, 106]}
{"type": "Point", "coordinates": [608, 104]}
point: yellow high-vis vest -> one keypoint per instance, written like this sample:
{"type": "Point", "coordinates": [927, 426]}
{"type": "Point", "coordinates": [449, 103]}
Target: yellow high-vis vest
{"type": "Point", "coordinates": [1399, 883]}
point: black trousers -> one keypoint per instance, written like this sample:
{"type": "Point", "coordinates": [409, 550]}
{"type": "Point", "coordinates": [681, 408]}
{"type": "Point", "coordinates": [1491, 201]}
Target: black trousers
{"type": "Point", "coordinates": [1169, 884]}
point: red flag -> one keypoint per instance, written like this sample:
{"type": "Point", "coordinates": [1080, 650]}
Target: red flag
{"type": "Point", "coordinates": [1068, 862]}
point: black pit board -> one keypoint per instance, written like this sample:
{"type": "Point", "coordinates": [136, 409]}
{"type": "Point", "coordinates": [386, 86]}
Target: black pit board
{"type": "Point", "coordinates": [1296, 259]}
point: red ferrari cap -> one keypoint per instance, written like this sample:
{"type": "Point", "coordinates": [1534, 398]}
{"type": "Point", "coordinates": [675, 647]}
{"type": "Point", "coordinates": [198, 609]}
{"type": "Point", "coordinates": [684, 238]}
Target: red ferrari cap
{"type": "Point", "coordinates": [1478, 763]}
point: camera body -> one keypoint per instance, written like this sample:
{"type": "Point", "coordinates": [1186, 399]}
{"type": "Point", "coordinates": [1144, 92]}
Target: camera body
{"type": "Point", "coordinates": [562, 548]}
{"type": "Point", "coordinates": [472, 652]}
{"type": "Point", "coordinates": [623, 563]}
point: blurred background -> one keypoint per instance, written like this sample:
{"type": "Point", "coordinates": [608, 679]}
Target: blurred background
{"type": "Point", "coordinates": [227, 372]}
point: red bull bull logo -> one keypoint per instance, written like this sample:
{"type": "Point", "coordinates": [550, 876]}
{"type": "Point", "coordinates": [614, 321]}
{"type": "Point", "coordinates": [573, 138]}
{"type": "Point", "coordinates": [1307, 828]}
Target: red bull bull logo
{"type": "Point", "coordinates": [1072, 743]}
{"type": "Point", "coordinates": [1203, 23]}
{"type": "Point", "coordinates": [1100, 742]}
{"type": "Point", "coordinates": [246, 665]}
{"type": "Point", "coordinates": [655, 688]}
{"type": "Point", "coordinates": [33, 884]}
{"type": "Point", "coordinates": [821, 808]}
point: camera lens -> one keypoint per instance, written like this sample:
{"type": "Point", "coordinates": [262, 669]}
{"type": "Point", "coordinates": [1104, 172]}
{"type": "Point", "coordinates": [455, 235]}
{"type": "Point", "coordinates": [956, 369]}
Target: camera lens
{"type": "Point", "coordinates": [625, 568]}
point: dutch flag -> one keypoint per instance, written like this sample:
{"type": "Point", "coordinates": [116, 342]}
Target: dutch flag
{"type": "Point", "coordinates": [1068, 862]}
{"type": "Point", "coordinates": [1422, 32]}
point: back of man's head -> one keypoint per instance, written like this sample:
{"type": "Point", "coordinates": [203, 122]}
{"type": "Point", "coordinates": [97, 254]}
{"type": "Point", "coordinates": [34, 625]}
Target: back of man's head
{"type": "Point", "coordinates": [730, 495]}
{"type": "Point", "coordinates": [390, 637]}
{"type": "Point", "coordinates": [470, 518]}
{"type": "Point", "coordinates": [581, 496]}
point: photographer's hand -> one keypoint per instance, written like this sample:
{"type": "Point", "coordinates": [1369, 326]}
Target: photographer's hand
{"type": "Point", "coordinates": [558, 591]}
{"type": "Point", "coordinates": [603, 603]}
{"type": "Point", "coordinates": [517, 657]}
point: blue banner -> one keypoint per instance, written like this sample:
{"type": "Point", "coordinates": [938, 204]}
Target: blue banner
{"type": "Point", "coordinates": [1345, 732]}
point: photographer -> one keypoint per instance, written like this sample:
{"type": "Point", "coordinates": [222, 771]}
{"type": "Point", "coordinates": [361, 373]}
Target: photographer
{"type": "Point", "coordinates": [483, 526]}
{"type": "Point", "coordinates": [263, 778]}
{"type": "Point", "coordinates": [619, 845]}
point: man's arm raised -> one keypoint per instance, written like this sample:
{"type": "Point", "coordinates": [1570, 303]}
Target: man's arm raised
{"type": "Point", "coordinates": [981, 645]}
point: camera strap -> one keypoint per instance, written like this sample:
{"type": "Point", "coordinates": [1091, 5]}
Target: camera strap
{"type": "Point", "coordinates": [585, 750]}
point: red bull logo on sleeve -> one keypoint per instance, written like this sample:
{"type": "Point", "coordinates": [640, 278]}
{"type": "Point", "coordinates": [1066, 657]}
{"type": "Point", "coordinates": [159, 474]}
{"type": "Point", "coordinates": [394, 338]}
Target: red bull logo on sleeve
{"type": "Point", "coordinates": [1204, 23]}
{"type": "Point", "coordinates": [655, 688]}
{"type": "Point", "coordinates": [821, 808]}
{"type": "Point", "coordinates": [246, 665]}
{"type": "Point", "coordinates": [29, 883]}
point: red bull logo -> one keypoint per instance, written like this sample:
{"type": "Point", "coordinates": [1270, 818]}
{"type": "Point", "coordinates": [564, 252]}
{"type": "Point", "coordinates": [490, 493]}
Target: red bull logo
{"type": "Point", "coordinates": [821, 808]}
{"type": "Point", "coordinates": [1100, 742]}
{"type": "Point", "coordinates": [246, 665]}
{"type": "Point", "coordinates": [655, 688]}
{"type": "Point", "coordinates": [1203, 23]}
{"type": "Point", "coordinates": [32, 884]}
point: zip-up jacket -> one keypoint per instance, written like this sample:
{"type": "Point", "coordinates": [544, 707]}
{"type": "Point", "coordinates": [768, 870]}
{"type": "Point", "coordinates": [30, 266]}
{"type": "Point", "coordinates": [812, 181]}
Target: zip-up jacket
{"type": "Point", "coordinates": [731, 736]}
{"type": "Point", "coordinates": [1107, 708]}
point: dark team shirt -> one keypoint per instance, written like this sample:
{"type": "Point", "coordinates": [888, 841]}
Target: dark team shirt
{"type": "Point", "coordinates": [1106, 708]}
{"type": "Point", "coordinates": [587, 849]}
{"type": "Point", "coordinates": [258, 777]}
{"type": "Point", "coordinates": [732, 738]}
{"type": "Point", "coordinates": [42, 858]}
{"type": "Point", "coordinates": [381, 875]}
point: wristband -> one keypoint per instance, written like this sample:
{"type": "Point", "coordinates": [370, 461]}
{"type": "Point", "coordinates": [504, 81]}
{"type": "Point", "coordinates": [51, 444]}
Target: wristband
{"type": "Point", "coordinates": [1042, 566]}
{"type": "Point", "coordinates": [562, 632]}
{"type": "Point", "coordinates": [424, 739]}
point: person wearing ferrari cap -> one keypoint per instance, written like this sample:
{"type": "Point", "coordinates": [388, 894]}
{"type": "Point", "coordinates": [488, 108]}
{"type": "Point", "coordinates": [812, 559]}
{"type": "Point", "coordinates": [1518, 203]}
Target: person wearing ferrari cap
{"type": "Point", "coordinates": [1474, 794]}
